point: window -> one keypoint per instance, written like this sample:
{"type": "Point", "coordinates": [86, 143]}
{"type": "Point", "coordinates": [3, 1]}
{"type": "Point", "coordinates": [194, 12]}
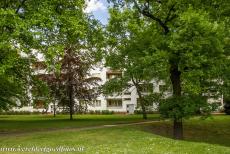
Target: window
{"type": "Point", "coordinates": [114, 103]}
{"type": "Point", "coordinates": [96, 103]}
{"type": "Point", "coordinates": [127, 93]}
{"type": "Point", "coordinates": [81, 102]}
{"type": "Point", "coordinates": [113, 74]}
{"type": "Point", "coordinates": [138, 102]}
{"type": "Point", "coordinates": [96, 75]}
{"type": "Point", "coordinates": [127, 99]}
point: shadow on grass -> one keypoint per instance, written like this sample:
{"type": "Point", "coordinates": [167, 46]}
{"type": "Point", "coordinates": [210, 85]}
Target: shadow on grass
{"type": "Point", "coordinates": [212, 131]}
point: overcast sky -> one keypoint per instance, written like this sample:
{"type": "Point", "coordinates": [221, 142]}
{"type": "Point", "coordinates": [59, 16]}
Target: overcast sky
{"type": "Point", "coordinates": [99, 10]}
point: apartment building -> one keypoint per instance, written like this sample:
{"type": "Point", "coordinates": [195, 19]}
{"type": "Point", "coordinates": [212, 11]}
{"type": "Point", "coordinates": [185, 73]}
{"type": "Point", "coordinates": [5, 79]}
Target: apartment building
{"type": "Point", "coordinates": [127, 102]}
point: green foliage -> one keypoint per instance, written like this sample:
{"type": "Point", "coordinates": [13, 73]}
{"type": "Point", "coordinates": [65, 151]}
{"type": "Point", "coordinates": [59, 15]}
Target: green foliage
{"type": "Point", "coordinates": [46, 26]}
{"type": "Point", "coordinates": [148, 112]}
{"type": "Point", "coordinates": [185, 107]}
{"type": "Point", "coordinates": [19, 113]}
{"type": "Point", "coordinates": [106, 112]}
{"type": "Point", "coordinates": [14, 71]}
{"type": "Point", "coordinates": [116, 85]}
{"type": "Point", "coordinates": [163, 37]}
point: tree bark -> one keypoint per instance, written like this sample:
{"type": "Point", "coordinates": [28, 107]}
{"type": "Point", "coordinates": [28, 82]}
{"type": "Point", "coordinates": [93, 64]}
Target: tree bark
{"type": "Point", "coordinates": [136, 84]}
{"type": "Point", "coordinates": [175, 77]}
{"type": "Point", "coordinates": [54, 108]}
{"type": "Point", "coordinates": [144, 114]}
{"type": "Point", "coordinates": [70, 88]}
{"type": "Point", "coordinates": [178, 129]}
{"type": "Point", "coordinates": [71, 102]}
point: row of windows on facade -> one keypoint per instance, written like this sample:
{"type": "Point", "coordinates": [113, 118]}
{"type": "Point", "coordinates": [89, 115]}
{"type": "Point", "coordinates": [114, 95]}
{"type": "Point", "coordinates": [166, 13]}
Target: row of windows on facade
{"type": "Point", "coordinates": [110, 103]}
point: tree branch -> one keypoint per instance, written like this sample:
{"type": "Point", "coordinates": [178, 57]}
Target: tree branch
{"type": "Point", "coordinates": [167, 19]}
{"type": "Point", "coordinates": [147, 13]}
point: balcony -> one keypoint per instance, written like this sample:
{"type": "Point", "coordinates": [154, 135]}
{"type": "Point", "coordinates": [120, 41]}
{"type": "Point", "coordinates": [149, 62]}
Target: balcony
{"type": "Point", "coordinates": [110, 74]}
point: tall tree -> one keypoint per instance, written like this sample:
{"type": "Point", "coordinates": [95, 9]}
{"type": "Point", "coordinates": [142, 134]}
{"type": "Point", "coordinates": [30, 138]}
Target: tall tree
{"type": "Point", "coordinates": [127, 38]}
{"type": "Point", "coordinates": [14, 39]}
{"type": "Point", "coordinates": [190, 34]}
{"type": "Point", "coordinates": [69, 40]}
{"type": "Point", "coordinates": [49, 26]}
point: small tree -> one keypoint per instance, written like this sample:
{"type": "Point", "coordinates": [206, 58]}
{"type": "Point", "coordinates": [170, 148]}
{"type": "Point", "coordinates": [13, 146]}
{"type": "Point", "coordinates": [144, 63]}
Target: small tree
{"type": "Point", "coordinates": [75, 76]}
{"type": "Point", "coordinates": [69, 39]}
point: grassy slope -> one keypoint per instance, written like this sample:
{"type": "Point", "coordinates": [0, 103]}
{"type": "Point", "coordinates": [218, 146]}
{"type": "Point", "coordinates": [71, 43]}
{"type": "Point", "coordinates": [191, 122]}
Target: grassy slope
{"type": "Point", "coordinates": [136, 139]}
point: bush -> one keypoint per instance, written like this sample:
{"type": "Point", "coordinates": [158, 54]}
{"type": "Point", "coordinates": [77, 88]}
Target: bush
{"type": "Point", "coordinates": [105, 112]}
{"type": "Point", "coordinates": [97, 112]}
{"type": "Point", "coordinates": [185, 107]}
{"type": "Point", "coordinates": [19, 113]}
{"type": "Point", "coordinates": [148, 112]}
{"type": "Point", "coordinates": [227, 106]}
{"type": "Point", "coordinates": [101, 112]}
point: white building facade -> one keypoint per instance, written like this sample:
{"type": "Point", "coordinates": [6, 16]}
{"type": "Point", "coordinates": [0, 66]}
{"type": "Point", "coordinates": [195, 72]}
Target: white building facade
{"type": "Point", "coordinates": [127, 102]}
{"type": "Point", "coordinates": [121, 103]}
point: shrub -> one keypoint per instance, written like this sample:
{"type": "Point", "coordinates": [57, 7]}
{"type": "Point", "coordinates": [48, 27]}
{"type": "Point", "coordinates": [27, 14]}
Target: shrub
{"type": "Point", "coordinates": [148, 112]}
{"type": "Point", "coordinates": [19, 113]}
{"type": "Point", "coordinates": [97, 112]}
{"type": "Point", "coordinates": [185, 107]}
{"type": "Point", "coordinates": [105, 112]}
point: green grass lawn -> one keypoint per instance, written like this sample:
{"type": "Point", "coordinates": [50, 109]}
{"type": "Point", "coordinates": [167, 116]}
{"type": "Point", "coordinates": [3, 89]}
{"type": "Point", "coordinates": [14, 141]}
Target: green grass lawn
{"type": "Point", "coordinates": [201, 136]}
{"type": "Point", "coordinates": [25, 123]}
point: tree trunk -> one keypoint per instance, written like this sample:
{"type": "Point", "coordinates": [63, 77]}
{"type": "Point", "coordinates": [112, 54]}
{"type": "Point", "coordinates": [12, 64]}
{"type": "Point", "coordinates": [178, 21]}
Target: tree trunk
{"type": "Point", "coordinates": [71, 102]}
{"type": "Point", "coordinates": [144, 114]}
{"type": "Point", "coordinates": [70, 89]}
{"type": "Point", "coordinates": [54, 108]}
{"type": "Point", "coordinates": [175, 76]}
{"type": "Point", "coordinates": [57, 94]}
{"type": "Point", "coordinates": [178, 129]}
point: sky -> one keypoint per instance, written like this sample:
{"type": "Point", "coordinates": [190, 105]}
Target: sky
{"type": "Point", "coordinates": [99, 9]}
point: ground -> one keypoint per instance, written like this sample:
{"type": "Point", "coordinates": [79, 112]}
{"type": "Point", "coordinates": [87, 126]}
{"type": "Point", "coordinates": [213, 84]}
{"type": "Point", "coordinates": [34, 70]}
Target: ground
{"type": "Point", "coordinates": [108, 134]}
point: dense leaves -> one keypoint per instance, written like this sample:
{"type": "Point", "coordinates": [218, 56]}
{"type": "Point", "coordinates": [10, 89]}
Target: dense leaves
{"type": "Point", "coordinates": [185, 39]}
{"type": "Point", "coordinates": [45, 26]}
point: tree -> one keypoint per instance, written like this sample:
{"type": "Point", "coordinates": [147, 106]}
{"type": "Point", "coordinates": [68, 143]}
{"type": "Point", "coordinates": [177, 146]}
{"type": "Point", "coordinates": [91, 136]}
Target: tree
{"type": "Point", "coordinates": [126, 38]}
{"type": "Point", "coordinates": [78, 83]}
{"type": "Point", "coordinates": [76, 36]}
{"type": "Point", "coordinates": [73, 81]}
{"type": "Point", "coordinates": [49, 26]}
{"type": "Point", "coordinates": [191, 39]}
{"type": "Point", "coordinates": [62, 26]}
{"type": "Point", "coordinates": [14, 68]}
